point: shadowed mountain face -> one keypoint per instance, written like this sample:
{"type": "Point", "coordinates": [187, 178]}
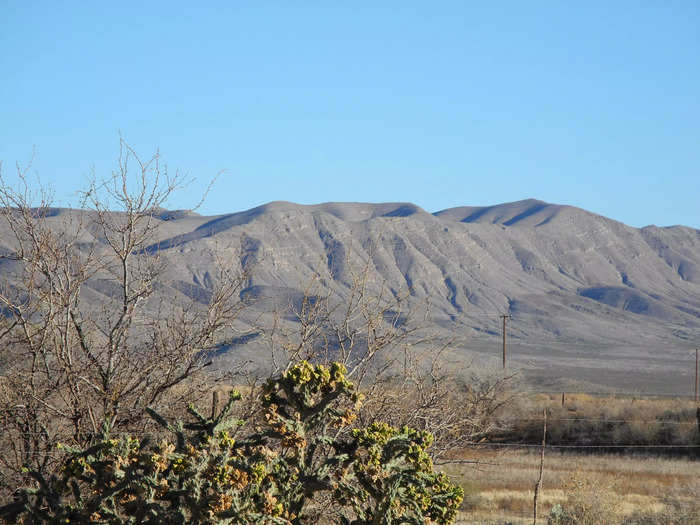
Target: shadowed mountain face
{"type": "Point", "coordinates": [568, 277]}
{"type": "Point", "coordinates": [564, 273]}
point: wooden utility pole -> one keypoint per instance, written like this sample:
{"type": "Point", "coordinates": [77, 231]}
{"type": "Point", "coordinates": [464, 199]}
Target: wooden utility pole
{"type": "Point", "coordinates": [504, 317]}
{"type": "Point", "coordinates": [696, 375]}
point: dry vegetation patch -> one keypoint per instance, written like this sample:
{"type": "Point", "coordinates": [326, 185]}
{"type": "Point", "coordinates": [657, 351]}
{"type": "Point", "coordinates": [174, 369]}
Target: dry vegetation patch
{"type": "Point", "coordinates": [501, 484]}
{"type": "Point", "coordinates": [669, 425]}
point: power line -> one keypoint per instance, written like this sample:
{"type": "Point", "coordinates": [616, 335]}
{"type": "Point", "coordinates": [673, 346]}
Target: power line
{"type": "Point", "coordinates": [696, 375]}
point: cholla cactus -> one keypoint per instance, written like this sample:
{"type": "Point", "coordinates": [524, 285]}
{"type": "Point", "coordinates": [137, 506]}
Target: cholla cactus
{"type": "Point", "coordinates": [393, 479]}
{"type": "Point", "coordinates": [303, 453]}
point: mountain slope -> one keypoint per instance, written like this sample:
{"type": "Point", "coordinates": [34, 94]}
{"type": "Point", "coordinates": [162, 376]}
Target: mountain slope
{"type": "Point", "coordinates": [576, 284]}
{"type": "Point", "coordinates": [470, 262]}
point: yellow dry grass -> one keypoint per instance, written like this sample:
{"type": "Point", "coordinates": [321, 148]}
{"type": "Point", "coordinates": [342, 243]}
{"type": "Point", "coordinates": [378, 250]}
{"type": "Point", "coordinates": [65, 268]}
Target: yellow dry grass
{"type": "Point", "coordinates": [500, 487]}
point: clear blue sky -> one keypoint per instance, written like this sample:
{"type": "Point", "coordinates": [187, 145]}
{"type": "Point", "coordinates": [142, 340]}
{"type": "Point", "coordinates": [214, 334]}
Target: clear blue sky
{"type": "Point", "coordinates": [595, 104]}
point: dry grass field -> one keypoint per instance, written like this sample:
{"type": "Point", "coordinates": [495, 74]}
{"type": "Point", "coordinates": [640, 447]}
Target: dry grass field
{"type": "Point", "coordinates": [631, 486]}
{"type": "Point", "coordinates": [499, 489]}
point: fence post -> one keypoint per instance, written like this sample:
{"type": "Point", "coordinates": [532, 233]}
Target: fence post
{"type": "Point", "coordinates": [539, 480]}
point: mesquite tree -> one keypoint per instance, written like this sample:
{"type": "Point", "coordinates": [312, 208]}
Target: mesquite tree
{"type": "Point", "coordinates": [88, 338]}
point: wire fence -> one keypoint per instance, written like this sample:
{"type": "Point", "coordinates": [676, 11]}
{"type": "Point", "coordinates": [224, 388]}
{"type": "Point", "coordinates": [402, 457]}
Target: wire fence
{"type": "Point", "coordinates": [621, 460]}
{"type": "Point", "coordinates": [499, 479]}
{"type": "Point", "coordinates": [612, 393]}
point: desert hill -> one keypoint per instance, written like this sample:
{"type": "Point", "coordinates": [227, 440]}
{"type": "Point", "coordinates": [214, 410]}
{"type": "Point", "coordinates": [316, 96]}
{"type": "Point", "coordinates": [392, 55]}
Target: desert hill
{"type": "Point", "coordinates": [590, 298]}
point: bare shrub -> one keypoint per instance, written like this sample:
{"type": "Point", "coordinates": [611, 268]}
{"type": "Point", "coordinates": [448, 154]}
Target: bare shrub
{"type": "Point", "coordinates": [382, 338]}
{"type": "Point", "coordinates": [71, 371]}
{"type": "Point", "coordinates": [589, 501]}
{"type": "Point", "coordinates": [458, 411]}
